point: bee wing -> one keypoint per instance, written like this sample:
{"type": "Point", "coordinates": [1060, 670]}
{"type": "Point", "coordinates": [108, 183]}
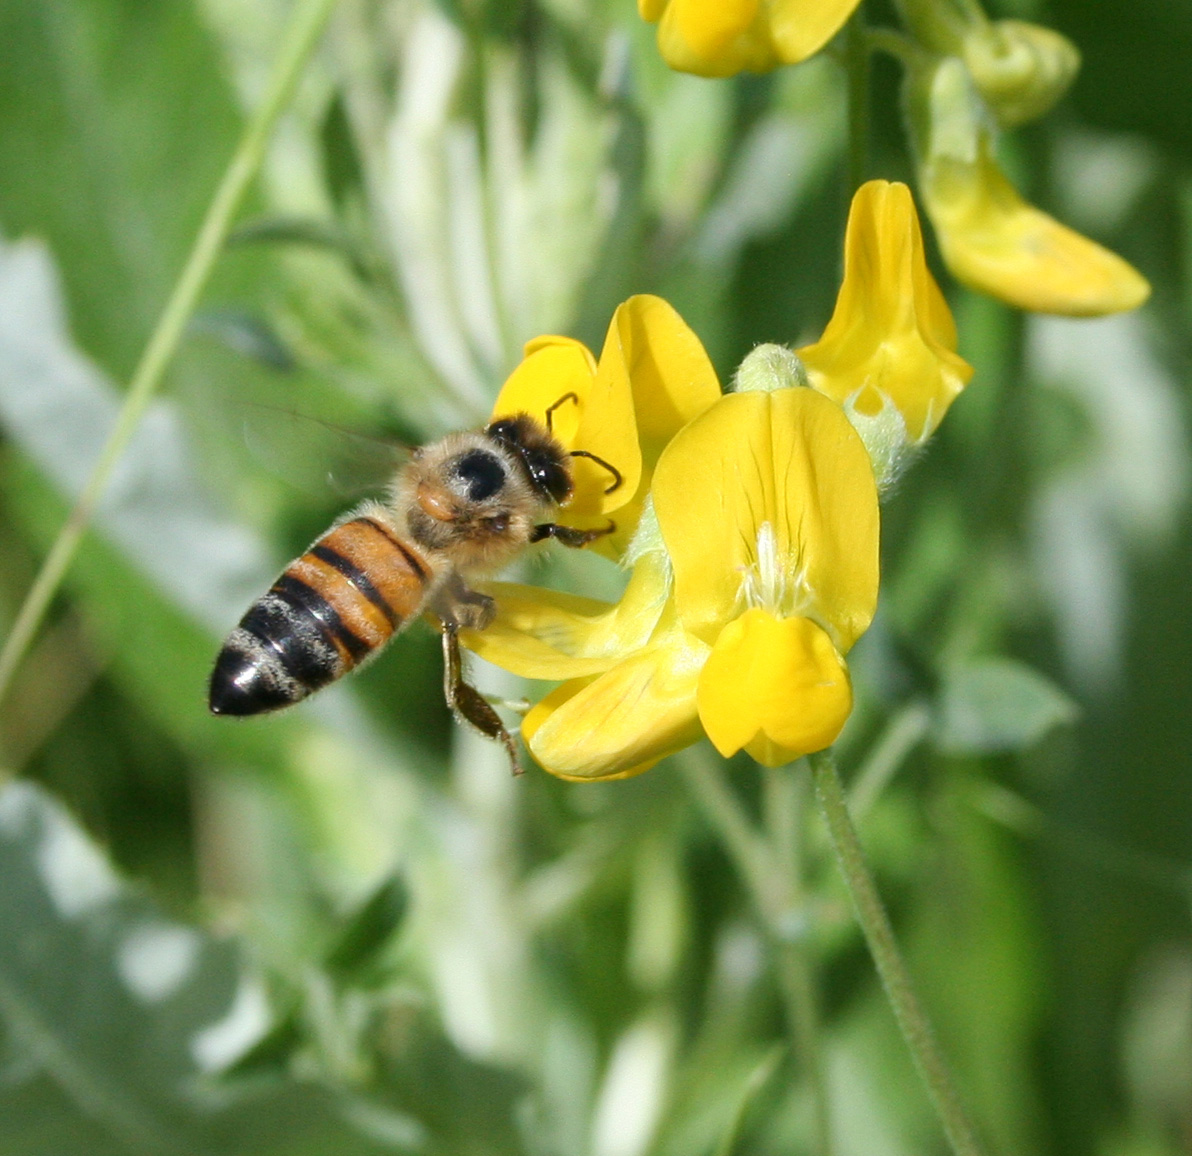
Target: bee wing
{"type": "Point", "coordinates": [319, 457]}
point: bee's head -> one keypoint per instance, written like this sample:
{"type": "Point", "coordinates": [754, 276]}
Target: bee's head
{"type": "Point", "coordinates": [544, 460]}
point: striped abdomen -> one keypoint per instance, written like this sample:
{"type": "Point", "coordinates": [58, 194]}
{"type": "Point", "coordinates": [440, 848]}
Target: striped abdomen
{"type": "Point", "coordinates": [332, 608]}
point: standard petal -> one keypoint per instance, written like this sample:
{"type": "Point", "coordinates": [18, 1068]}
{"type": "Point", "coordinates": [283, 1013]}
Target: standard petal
{"type": "Point", "coordinates": [671, 375]}
{"type": "Point", "coordinates": [624, 721]}
{"type": "Point", "coordinates": [551, 368]}
{"type": "Point", "coordinates": [892, 334]}
{"type": "Point", "coordinates": [598, 418]}
{"type": "Point", "coordinates": [776, 686]}
{"type": "Point", "coordinates": [547, 634]}
{"type": "Point", "coordinates": [994, 241]}
{"type": "Point", "coordinates": [671, 380]}
{"type": "Point", "coordinates": [768, 499]}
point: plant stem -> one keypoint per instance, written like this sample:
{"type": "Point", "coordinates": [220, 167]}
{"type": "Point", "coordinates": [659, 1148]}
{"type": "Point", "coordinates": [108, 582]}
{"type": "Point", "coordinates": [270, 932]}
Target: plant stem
{"type": "Point", "coordinates": [856, 53]}
{"type": "Point", "coordinates": [895, 44]}
{"type": "Point", "coordinates": [302, 37]}
{"type": "Point", "coordinates": [895, 978]}
{"type": "Point", "coordinates": [785, 795]}
{"type": "Point", "coordinates": [776, 897]}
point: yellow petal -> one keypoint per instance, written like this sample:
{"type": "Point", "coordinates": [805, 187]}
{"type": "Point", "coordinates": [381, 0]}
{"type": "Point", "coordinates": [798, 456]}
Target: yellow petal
{"type": "Point", "coordinates": [768, 499]}
{"type": "Point", "coordinates": [547, 634]}
{"type": "Point", "coordinates": [652, 378]}
{"type": "Point", "coordinates": [723, 37]}
{"type": "Point", "coordinates": [709, 27]}
{"type": "Point", "coordinates": [994, 241]}
{"type": "Point", "coordinates": [551, 368]}
{"type": "Point", "coordinates": [892, 334]}
{"type": "Point", "coordinates": [800, 28]}
{"type": "Point", "coordinates": [622, 722]}
{"type": "Point", "coordinates": [715, 37]}
{"type": "Point", "coordinates": [671, 375]}
{"type": "Point", "coordinates": [671, 380]}
{"type": "Point", "coordinates": [775, 686]}
{"type": "Point", "coordinates": [600, 420]}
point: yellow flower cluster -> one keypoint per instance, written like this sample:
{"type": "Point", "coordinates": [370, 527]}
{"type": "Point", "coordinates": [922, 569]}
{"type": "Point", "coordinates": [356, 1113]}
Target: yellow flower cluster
{"type": "Point", "coordinates": [966, 76]}
{"type": "Point", "coordinates": [750, 520]}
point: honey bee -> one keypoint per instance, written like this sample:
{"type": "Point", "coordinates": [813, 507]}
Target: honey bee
{"type": "Point", "coordinates": [458, 510]}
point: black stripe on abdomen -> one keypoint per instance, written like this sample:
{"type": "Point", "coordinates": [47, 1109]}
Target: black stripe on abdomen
{"type": "Point", "coordinates": [295, 638]}
{"type": "Point", "coordinates": [307, 600]}
{"type": "Point", "coordinates": [358, 578]}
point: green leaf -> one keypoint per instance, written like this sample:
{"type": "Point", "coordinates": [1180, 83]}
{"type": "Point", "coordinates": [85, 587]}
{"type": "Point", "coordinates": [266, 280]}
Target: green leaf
{"type": "Point", "coordinates": [122, 1008]}
{"type": "Point", "coordinates": [59, 407]}
{"type": "Point", "coordinates": [754, 1086]}
{"type": "Point", "coordinates": [314, 234]}
{"type": "Point", "coordinates": [369, 929]}
{"type": "Point", "coordinates": [129, 1016]}
{"type": "Point", "coordinates": [115, 123]}
{"type": "Point", "coordinates": [342, 168]}
{"type": "Point", "coordinates": [993, 705]}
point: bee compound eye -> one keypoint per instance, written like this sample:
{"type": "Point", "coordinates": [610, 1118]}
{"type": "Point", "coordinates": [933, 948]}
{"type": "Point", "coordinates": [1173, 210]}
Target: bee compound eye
{"type": "Point", "coordinates": [481, 474]}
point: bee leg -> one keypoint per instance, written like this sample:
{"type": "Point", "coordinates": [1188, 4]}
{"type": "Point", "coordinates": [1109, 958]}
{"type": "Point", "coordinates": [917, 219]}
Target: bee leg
{"type": "Point", "coordinates": [468, 704]}
{"type": "Point", "coordinates": [568, 535]}
{"type": "Point", "coordinates": [463, 608]}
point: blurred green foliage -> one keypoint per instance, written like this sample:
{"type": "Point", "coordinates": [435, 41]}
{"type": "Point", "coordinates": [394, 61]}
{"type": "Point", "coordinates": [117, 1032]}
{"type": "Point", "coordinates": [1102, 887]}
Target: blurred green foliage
{"type": "Point", "coordinates": [403, 949]}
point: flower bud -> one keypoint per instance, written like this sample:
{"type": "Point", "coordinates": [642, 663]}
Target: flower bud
{"type": "Point", "coordinates": [1020, 69]}
{"type": "Point", "coordinates": [769, 367]}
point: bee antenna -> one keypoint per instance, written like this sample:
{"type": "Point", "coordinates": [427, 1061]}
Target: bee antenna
{"type": "Point", "coordinates": [550, 409]}
{"type": "Point", "coordinates": [616, 473]}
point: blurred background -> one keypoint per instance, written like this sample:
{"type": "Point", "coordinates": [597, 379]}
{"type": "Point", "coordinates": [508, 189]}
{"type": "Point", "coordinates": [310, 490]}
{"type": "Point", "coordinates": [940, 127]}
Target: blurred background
{"type": "Point", "coordinates": [347, 928]}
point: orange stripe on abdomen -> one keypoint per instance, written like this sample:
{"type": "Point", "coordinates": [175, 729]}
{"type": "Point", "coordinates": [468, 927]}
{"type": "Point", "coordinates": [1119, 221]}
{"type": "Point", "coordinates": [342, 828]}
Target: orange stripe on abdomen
{"type": "Point", "coordinates": [370, 580]}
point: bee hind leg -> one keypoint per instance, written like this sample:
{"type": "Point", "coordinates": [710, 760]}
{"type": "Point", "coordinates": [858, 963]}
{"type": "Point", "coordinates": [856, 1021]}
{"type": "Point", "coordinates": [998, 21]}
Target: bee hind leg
{"type": "Point", "coordinates": [467, 703]}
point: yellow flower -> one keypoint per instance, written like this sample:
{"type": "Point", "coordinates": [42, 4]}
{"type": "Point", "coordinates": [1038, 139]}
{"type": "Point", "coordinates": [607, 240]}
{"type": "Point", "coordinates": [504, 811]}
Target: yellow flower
{"type": "Point", "coordinates": [754, 573]}
{"type": "Point", "coordinates": [989, 236]}
{"type": "Point", "coordinates": [888, 354]}
{"type": "Point", "coordinates": [652, 378]}
{"type": "Point", "coordinates": [723, 37]}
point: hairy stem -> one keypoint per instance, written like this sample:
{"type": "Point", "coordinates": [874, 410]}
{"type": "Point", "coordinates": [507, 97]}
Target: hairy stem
{"type": "Point", "coordinates": [875, 924]}
{"type": "Point", "coordinates": [301, 39]}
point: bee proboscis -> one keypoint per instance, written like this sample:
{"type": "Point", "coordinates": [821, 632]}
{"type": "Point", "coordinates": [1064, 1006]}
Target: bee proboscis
{"type": "Point", "coordinates": [460, 509]}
